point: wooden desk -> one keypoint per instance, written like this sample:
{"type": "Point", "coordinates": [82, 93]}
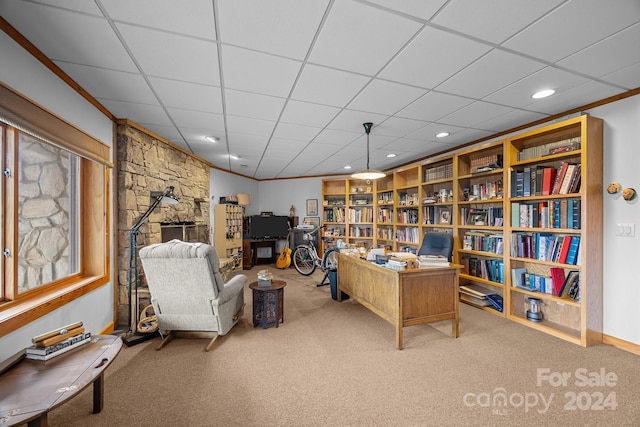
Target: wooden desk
{"type": "Point", "coordinates": [29, 389]}
{"type": "Point", "coordinates": [403, 298]}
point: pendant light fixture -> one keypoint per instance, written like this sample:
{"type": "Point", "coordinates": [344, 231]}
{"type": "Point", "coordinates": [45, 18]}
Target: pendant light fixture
{"type": "Point", "coordinates": [368, 173]}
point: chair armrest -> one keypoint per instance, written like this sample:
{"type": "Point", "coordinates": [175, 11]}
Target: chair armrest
{"type": "Point", "coordinates": [233, 287]}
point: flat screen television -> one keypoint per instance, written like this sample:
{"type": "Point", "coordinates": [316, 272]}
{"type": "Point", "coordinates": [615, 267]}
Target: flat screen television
{"type": "Point", "coordinates": [268, 227]}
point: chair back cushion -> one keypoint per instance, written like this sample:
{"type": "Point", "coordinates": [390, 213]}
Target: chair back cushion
{"type": "Point", "coordinates": [194, 268]}
{"type": "Point", "coordinates": [437, 243]}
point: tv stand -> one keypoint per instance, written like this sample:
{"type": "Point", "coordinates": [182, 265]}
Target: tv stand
{"type": "Point", "coordinates": [251, 248]}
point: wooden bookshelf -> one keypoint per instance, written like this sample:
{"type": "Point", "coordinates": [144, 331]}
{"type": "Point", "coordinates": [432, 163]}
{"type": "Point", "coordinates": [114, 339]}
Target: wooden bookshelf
{"type": "Point", "coordinates": [477, 187]}
{"type": "Point", "coordinates": [228, 220]}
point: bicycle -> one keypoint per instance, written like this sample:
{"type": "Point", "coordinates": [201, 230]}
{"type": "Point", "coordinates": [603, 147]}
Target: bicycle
{"type": "Point", "coordinates": [306, 259]}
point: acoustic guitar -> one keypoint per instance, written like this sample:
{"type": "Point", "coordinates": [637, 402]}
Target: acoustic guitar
{"type": "Point", "coordinates": [284, 260]}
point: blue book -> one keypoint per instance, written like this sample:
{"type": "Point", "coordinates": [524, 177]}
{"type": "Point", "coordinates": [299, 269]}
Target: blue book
{"type": "Point", "coordinates": [496, 301]}
{"type": "Point", "coordinates": [572, 255]}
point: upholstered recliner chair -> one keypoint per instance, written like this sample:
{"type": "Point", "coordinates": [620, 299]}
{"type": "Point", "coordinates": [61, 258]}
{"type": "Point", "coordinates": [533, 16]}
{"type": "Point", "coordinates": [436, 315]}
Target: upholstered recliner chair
{"type": "Point", "coordinates": [188, 292]}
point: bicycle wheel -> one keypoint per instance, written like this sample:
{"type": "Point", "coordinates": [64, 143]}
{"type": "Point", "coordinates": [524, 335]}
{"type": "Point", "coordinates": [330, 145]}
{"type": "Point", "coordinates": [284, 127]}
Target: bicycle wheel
{"type": "Point", "coordinates": [330, 260]}
{"type": "Point", "coordinates": [304, 261]}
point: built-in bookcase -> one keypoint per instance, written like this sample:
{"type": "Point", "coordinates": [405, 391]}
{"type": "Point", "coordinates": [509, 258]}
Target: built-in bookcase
{"type": "Point", "coordinates": [555, 227]}
{"type": "Point", "coordinates": [509, 217]}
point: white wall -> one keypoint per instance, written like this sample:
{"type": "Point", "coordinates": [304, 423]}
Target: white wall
{"type": "Point", "coordinates": [621, 163]}
{"type": "Point", "coordinates": [26, 75]}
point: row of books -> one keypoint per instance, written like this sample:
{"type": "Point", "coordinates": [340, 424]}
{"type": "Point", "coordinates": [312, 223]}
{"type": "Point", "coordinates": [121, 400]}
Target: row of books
{"type": "Point", "coordinates": [564, 213]}
{"type": "Point", "coordinates": [485, 268]}
{"type": "Point", "coordinates": [555, 283]}
{"type": "Point", "coordinates": [563, 249]}
{"type": "Point", "coordinates": [484, 191]}
{"type": "Point", "coordinates": [546, 180]}
{"type": "Point", "coordinates": [333, 215]}
{"type": "Point", "coordinates": [407, 216]}
{"type": "Point", "coordinates": [361, 215]}
{"type": "Point", "coordinates": [485, 163]}
{"type": "Point", "coordinates": [438, 173]}
{"type": "Point", "coordinates": [567, 144]}
{"type": "Point", "coordinates": [361, 231]}
{"type": "Point", "coordinates": [408, 234]}
{"type": "Point", "coordinates": [483, 241]}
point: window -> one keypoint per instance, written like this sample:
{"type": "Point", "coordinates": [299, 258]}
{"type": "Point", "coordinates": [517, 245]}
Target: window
{"type": "Point", "coordinates": [54, 211]}
{"type": "Point", "coordinates": [47, 214]}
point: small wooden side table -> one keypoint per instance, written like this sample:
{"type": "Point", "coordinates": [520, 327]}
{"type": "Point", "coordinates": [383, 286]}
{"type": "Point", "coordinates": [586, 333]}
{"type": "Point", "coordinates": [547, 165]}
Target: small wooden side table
{"type": "Point", "coordinates": [29, 389]}
{"type": "Point", "coordinates": [268, 303]}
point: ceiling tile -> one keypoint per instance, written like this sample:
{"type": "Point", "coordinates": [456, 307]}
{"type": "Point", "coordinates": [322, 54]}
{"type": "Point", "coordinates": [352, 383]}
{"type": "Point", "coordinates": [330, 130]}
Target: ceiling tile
{"type": "Point", "coordinates": [250, 126]}
{"type": "Point", "coordinates": [339, 137]}
{"type": "Point", "coordinates": [194, 17]}
{"type": "Point", "coordinates": [398, 126]}
{"type": "Point", "coordinates": [628, 77]}
{"type": "Point", "coordinates": [352, 121]}
{"type": "Point", "coordinates": [76, 5]}
{"type": "Point", "coordinates": [326, 86]}
{"type": "Point", "coordinates": [139, 113]}
{"type": "Point", "coordinates": [305, 113]}
{"type": "Point", "coordinates": [510, 120]}
{"type": "Point", "coordinates": [385, 97]}
{"type": "Point", "coordinates": [173, 56]}
{"type": "Point", "coordinates": [110, 84]}
{"type": "Point", "coordinates": [188, 96]}
{"type": "Point", "coordinates": [428, 132]}
{"type": "Point", "coordinates": [586, 93]}
{"type": "Point", "coordinates": [475, 113]}
{"type": "Point", "coordinates": [282, 27]}
{"type": "Point", "coordinates": [69, 36]}
{"type": "Point", "coordinates": [613, 53]}
{"type": "Point", "coordinates": [519, 93]}
{"type": "Point", "coordinates": [360, 38]}
{"type": "Point", "coordinates": [258, 72]}
{"type": "Point", "coordinates": [251, 105]}
{"type": "Point", "coordinates": [198, 119]}
{"type": "Point", "coordinates": [423, 9]}
{"type": "Point", "coordinates": [573, 26]}
{"type": "Point", "coordinates": [433, 57]}
{"type": "Point", "coordinates": [494, 21]}
{"type": "Point", "coordinates": [433, 106]}
{"type": "Point", "coordinates": [296, 132]}
{"type": "Point", "coordinates": [493, 71]}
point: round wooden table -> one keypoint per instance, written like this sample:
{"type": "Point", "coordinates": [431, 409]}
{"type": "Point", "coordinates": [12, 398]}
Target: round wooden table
{"type": "Point", "coordinates": [268, 303]}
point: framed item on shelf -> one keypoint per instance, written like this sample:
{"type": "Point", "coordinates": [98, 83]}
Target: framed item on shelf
{"type": "Point", "coordinates": [312, 220]}
{"type": "Point", "coordinates": [312, 207]}
{"type": "Point", "coordinates": [445, 216]}
{"type": "Point", "coordinates": [477, 218]}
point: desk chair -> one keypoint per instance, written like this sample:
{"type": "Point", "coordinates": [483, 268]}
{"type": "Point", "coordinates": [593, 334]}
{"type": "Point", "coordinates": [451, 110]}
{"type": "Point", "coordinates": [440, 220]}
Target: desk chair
{"type": "Point", "coordinates": [437, 243]}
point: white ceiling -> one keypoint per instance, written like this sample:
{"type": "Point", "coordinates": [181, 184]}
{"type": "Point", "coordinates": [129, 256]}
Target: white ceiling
{"type": "Point", "coordinates": [287, 84]}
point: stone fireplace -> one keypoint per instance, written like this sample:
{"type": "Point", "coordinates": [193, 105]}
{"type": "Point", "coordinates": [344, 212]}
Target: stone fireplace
{"type": "Point", "coordinates": [146, 165]}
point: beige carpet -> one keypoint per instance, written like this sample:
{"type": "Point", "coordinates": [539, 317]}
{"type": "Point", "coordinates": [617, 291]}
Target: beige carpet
{"type": "Point", "coordinates": [335, 364]}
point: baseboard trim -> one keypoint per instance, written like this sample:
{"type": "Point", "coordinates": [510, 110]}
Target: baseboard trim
{"type": "Point", "coordinates": [621, 344]}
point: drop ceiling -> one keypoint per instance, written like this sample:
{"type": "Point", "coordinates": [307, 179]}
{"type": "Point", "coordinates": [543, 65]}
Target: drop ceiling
{"type": "Point", "coordinates": [287, 84]}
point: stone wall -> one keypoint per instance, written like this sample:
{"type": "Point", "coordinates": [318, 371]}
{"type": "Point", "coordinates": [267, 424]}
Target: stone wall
{"type": "Point", "coordinates": [147, 165]}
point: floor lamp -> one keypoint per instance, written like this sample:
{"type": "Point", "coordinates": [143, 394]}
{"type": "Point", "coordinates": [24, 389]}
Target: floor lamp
{"type": "Point", "coordinates": [166, 196]}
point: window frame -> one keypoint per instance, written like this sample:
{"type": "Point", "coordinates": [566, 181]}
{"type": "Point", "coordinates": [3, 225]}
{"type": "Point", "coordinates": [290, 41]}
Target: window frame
{"type": "Point", "coordinates": [19, 114]}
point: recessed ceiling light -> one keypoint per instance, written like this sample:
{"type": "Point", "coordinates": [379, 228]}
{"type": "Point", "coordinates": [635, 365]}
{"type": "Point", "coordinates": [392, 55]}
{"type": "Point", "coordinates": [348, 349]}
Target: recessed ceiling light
{"type": "Point", "coordinates": [543, 93]}
{"type": "Point", "coordinates": [212, 138]}
{"type": "Point", "coordinates": [347, 167]}
{"type": "Point", "coordinates": [442, 134]}
{"type": "Point", "coordinates": [234, 157]}
{"type": "Point", "coordinates": [391, 155]}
